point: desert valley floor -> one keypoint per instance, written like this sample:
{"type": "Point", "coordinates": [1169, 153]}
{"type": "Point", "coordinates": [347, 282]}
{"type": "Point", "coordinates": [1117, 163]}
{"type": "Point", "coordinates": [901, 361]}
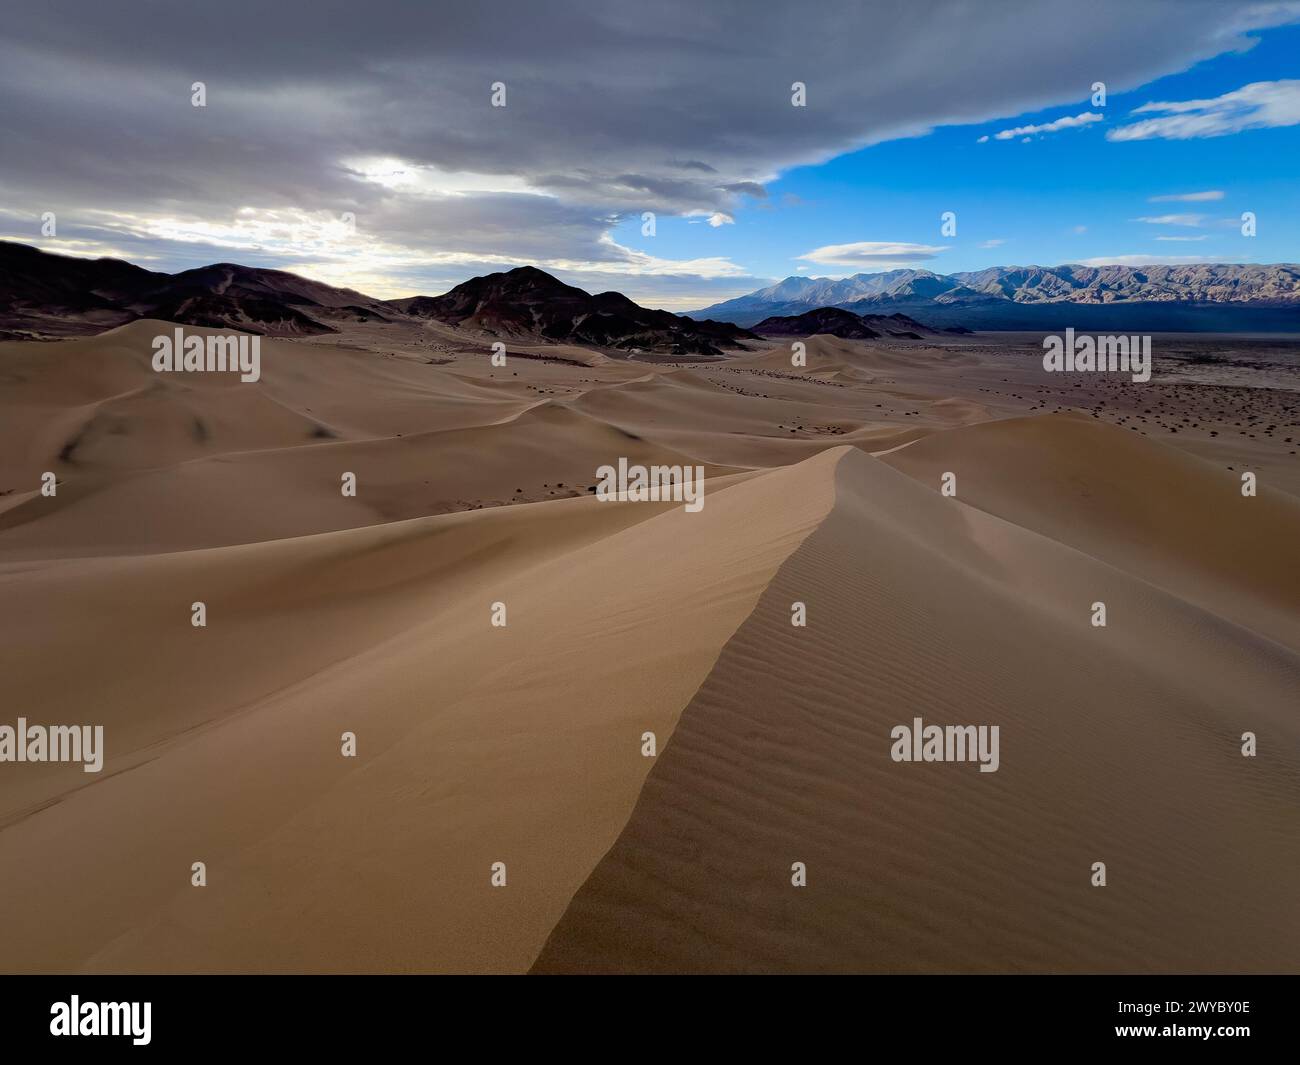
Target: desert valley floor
{"type": "Point", "coordinates": [522, 744]}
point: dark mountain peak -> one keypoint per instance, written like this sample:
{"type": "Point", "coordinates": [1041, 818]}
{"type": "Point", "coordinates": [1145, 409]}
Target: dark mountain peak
{"type": "Point", "coordinates": [520, 279]}
{"type": "Point", "coordinates": [841, 322]}
{"type": "Point", "coordinates": [897, 324]}
{"type": "Point", "coordinates": [528, 302]}
{"type": "Point", "coordinates": [831, 320]}
{"type": "Point", "coordinates": [256, 282]}
{"type": "Point", "coordinates": [47, 294]}
{"type": "Point", "coordinates": [532, 274]}
{"type": "Point", "coordinates": [50, 266]}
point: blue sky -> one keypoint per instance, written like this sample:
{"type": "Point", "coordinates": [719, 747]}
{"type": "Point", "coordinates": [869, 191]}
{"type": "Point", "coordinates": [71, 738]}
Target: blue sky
{"type": "Point", "coordinates": [1061, 197]}
{"type": "Point", "coordinates": [380, 160]}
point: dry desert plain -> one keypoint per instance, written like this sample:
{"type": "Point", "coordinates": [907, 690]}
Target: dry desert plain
{"type": "Point", "coordinates": [523, 744]}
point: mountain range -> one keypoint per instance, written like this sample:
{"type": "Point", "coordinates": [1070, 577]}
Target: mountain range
{"type": "Point", "coordinates": [1211, 297]}
{"type": "Point", "coordinates": [46, 295]}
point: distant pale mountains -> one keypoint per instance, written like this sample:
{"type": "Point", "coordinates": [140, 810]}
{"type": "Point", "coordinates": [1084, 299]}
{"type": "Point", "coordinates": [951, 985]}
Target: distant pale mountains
{"type": "Point", "coordinates": [45, 295]}
{"type": "Point", "coordinates": [1211, 297]}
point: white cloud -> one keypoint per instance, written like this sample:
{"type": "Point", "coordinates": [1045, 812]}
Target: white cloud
{"type": "Point", "coordinates": [1188, 197]}
{"type": "Point", "coordinates": [1203, 236]}
{"type": "Point", "coordinates": [1080, 229]}
{"type": "Point", "coordinates": [1172, 219]}
{"type": "Point", "coordinates": [712, 218]}
{"type": "Point", "coordinates": [995, 242]}
{"type": "Point", "coordinates": [1260, 105]}
{"type": "Point", "coordinates": [879, 254]}
{"type": "Point", "coordinates": [1067, 122]}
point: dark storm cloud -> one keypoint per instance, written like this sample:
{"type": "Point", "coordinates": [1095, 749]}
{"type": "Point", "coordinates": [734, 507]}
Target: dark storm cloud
{"type": "Point", "coordinates": [613, 107]}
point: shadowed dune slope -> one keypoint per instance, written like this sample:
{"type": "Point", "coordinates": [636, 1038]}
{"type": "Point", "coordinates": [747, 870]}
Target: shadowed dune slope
{"type": "Point", "coordinates": [1119, 745]}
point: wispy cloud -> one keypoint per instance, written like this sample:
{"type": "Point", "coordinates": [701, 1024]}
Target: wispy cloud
{"type": "Point", "coordinates": [714, 219]}
{"type": "Point", "coordinates": [995, 242]}
{"type": "Point", "coordinates": [1203, 236]}
{"type": "Point", "coordinates": [1067, 122]}
{"type": "Point", "coordinates": [1188, 197]}
{"type": "Point", "coordinates": [871, 253]}
{"type": "Point", "coordinates": [1146, 259]}
{"type": "Point", "coordinates": [1172, 219]}
{"type": "Point", "coordinates": [1260, 105]}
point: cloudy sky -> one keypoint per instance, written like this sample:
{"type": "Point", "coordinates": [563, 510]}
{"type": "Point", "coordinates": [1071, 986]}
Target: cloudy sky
{"type": "Point", "coordinates": [358, 143]}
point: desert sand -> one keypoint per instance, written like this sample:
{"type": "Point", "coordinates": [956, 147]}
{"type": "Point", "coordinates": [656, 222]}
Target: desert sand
{"type": "Point", "coordinates": [522, 744]}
